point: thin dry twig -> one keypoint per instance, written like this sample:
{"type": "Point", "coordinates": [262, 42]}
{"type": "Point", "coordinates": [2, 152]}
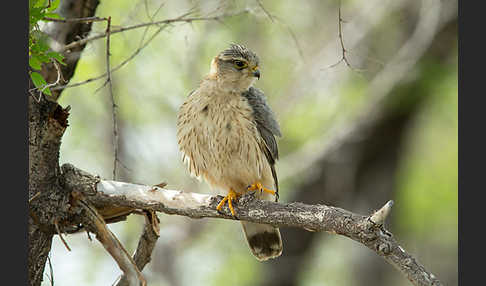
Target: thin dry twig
{"type": "Point", "coordinates": [113, 104]}
{"type": "Point", "coordinates": [343, 49]}
{"type": "Point", "coordinates": [51, 271]}
{"type": "Point", "coordinates": [89, 236]}
{"type": "Point", "coordinates": [41, 89]}
{"type": "Point", "coordinates": [379, 90]}
{"type": "Point", "coordinates": [75, 20]}
{"type": "Point", "coordinates": [97, 225]}
{"type": "Point", "coordinates": [274, 18]}
{"type": "Point", "coordinates": [109, 82]}
{"type": "Point", "coordinates": [167, 21]}
{"type": "Point", "coordinates": [146, 243]}
{"type": "Point", "coordinates": [270, 16]}
{"type": "Point", "coordinates": [134, 54]}
{"type": "Point", "coordinates": [56, 224]}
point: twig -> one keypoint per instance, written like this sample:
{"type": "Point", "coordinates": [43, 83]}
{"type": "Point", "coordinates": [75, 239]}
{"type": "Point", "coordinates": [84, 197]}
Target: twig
{"type": "Point", "coordinates": [309, 217]}
{"type": "Point", "coordinates": [270, 16]}
{"type": "Point", "coordinates": [51, 272]}
{"type": "Point", "coordinates": [344, 51]}
{"type": "Point", "coordinates": [75, 20]}
{"type": "Point", "coordinates": [377, 93]}
{"type": "Point", "coordinates": [59, 75]}
{"type": "Point", "coordinates": [96, 224]}
{"type": "Point", "coordinates": [161, 28]}
{"type": "Point", "coordinates": [146, 244]}
{"type": "Point", "coordinates": [151, 17]}
{"type": "Point", "coordinates": [113, 104]}
{"type": "Point", "coordinates": [274, 18]}
{"type": "Point", "coordinates": [60, 235]}
{"type": "Point", "coordinates": [294, 38]}
{"type": "Point", "coordinates": [167, 21]}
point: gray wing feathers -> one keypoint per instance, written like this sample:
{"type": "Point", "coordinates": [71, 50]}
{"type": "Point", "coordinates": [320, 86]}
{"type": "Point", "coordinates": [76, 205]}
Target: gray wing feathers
{"type": "Point", "coordinates": [263, 114]}
{"type": "Point", "coordinates": [267, 126]}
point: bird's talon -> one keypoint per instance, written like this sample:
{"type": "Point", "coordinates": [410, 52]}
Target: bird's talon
{"type": "Point", "coordinates": [261, 188]}
{"type": "Point", "coordinates": [232, 195]}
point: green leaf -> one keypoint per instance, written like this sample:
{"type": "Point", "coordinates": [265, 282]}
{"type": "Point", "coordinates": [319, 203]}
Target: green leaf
{"type": "Point", "coordinates": [32, 3]}
{"type": "Point", "coordinates": [47, 91]}
{"type": "Point", "coordinates": [43, 58]}
{"type": "Point", "coordinates": [59, 57]}
{"type": "Point", "coordinates": [35, 14]}
{"type": "Point", "coordinates": [40, 83]}
{"type": "Point", "coordinates": [38, 80]}
{"type": "Point", "coordinates": [37, 3]}
{"type": "Point", "coordinates": [34, 63]}
{"type": "Point", "coordinates": [54, 5]}
{"type": "Point", "coordinates": [53, 16]}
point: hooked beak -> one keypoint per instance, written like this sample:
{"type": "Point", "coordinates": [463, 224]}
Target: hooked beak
{"type": "Point", "coordinates": [256, 73]}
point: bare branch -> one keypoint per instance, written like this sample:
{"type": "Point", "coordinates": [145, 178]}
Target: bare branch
{"type": "Point", "coordinates": [113, 105]}
{"type": "Point", "coordinates": [343, 49]}
{"type": "Point", "coordinates": [75, 20]}
{"type": "Point", "coordinates": [379, 90]}
{"type": "Point", "coordinates": [146, 243]}
{"type": "Point", "coordinates": [95, 223]}
{"type": "Point", "coordinates": [51, 272]}
{"type": "Point", "coordinates": [309, 217]}
{"type": "Point", "coordinates": [56, 224]}
{"type": "Point", "coordinates": [142, 46]}
{"type": "Point", "coordinates": [182, 18]}
{"type": "Point", "coordinates": [48, 85]}
{"type": "Point", "coordinates": [274, 18]}
{"type": "Point", "coordinates": [270, 16]}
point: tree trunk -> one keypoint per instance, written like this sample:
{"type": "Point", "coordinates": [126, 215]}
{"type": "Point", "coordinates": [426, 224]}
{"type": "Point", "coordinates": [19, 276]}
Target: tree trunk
{"type": "Point", "coordinates": [48, 202]}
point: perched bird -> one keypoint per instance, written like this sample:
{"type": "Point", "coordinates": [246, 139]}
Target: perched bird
{"type": "Point", "coordinates": [226, 132]}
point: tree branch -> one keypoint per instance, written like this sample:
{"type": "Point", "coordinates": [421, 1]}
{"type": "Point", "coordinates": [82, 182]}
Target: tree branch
{"type": "Point", "coordinates": [182, 18]}
{"type": "Point", "coordinates": [146, 244]}
{"type": "Point", "coordinates": [96, 224]}
{"type": "Point", "coordinates": [309, 217]}
{"type": "Point", "coordinates": [344, 58]}
{"type": "Point", "coordinates": [161, 26]}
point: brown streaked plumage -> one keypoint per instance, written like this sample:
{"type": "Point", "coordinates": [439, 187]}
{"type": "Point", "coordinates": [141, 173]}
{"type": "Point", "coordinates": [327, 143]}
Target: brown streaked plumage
{"type": "Point", "coordinates": [226, 133]}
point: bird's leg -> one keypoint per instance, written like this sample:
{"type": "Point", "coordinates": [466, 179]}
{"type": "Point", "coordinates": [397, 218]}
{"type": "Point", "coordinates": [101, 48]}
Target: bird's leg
{"type": "Point", "coordinates": [261, 188]}
{"type": "Point", "coordinates": [232, 195]}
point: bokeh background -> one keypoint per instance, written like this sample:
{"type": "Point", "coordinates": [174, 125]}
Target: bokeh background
{"type": "Point", "coordinates": [384, 127]}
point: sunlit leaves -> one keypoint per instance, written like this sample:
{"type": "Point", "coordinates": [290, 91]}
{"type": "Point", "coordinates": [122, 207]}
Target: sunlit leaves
{"type": "Point", "coordinates": [38, 49]}
{"type": "Point", "coordinates": [39, 82]}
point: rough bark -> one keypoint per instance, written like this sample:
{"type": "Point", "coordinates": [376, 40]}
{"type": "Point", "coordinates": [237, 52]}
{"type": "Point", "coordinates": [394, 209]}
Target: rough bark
{"type": "Point", "coordinates": [309, 217]}
{"type": "Point", "coordinates": [48, 204]}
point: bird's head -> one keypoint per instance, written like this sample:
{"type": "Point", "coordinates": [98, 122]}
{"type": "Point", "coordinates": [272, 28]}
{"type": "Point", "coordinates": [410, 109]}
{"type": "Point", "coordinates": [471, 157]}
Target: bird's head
{"type": "Point", "coordinates": [236, 67]}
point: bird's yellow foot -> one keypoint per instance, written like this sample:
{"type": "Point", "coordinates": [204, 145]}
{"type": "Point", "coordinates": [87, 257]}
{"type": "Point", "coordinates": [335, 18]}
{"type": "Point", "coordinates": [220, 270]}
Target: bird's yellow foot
{"type": "Point", "coordinates": [261, 188]}
{"type": "Point", "coordinates": [232, 195]}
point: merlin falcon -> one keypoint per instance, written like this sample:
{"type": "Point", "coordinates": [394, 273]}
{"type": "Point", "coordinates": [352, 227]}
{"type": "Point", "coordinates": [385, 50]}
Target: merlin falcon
{"type": "Point", "coordinates": [226, 133]}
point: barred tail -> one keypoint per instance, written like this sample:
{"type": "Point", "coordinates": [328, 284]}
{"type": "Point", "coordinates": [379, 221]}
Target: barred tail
{"type": "Point", "coordinates": [264, 240]}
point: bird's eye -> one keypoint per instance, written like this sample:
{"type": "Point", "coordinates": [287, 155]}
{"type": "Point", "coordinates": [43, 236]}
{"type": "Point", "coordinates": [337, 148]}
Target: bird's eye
{"type": "Point", "coordinates": [240, 64]}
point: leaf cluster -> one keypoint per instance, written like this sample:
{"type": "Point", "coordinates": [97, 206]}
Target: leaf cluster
{"type": "Point", "coordinates": [39, 52]}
